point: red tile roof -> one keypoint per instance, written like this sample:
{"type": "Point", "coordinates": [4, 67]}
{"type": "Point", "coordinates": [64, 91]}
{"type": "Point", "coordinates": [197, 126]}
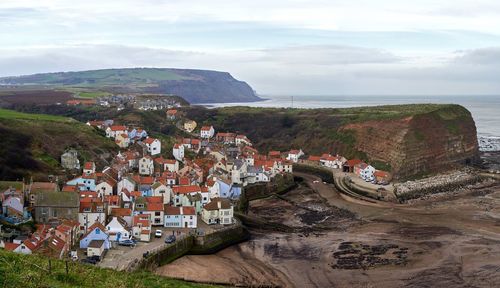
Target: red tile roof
{"type": "Point", "coordinates": [186, 210]}
{"type": "Point", "coordinates": [184, 181]}
{"type": "Point", "coordinates": [11, 246]}
{"type": "Point", "coordinates": [186, 189]}
{"type": "Point", "coordinates": [149, 140]}
{"type": "Point", "coordinates": [154, 199]}
{"type": "Point", "coordinates": [155, 207]}
{"type": "Point", "coordinates": [172, 210]}
{"type": "Point", "coordinates": [118, 128]}
{"type": "Point", "coordinates": [122, 212]}
{"type": "Point", "coordinates": [206, 128]}
{"type": "Point", "coordinates": [314, 158]}
{"type": "Point", "coordinates": [353, 162]}
{"type": "Point", "coordinates": [171, 112]}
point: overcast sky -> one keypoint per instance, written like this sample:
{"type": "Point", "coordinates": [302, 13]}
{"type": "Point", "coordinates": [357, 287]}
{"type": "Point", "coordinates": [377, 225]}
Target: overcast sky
{"type": "Point", "coordinates": [300, 47]}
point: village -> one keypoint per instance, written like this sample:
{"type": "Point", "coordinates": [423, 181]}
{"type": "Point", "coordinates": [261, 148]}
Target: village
{"type": "Point", "coordinates": [142, 200]}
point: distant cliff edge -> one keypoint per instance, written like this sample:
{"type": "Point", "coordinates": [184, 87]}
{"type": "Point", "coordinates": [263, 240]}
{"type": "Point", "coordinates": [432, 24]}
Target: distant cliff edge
{"type": "Point", "coordinates": [196, 86]}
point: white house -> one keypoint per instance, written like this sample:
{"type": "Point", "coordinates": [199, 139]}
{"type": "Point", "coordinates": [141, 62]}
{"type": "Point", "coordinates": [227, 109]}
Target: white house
{"type": "Point", "coordinates": [330, 161]}
{"type": "Point", "coordinates": [178, 152]}
{"type": "Point", "coordinates": [114, 130]}
{"type": "Point", "coordinates": [368, 174]}
{"type": "Point", "coordinates": [242, 140]}
{"type": "Point", "coordinates": [218, 211]}
{"type": "Point", "coordinates": [96, 248]}
{"type": "Point", "coordinates": [153, 145]}
{"type": "Point", "coordinates": [189, 219]}
{"type": "Point", "coordinates": [104, 188]}
{"type": "Point", "coordinates": [146, 165]}
{"type": "Point", "coordinates": [160, 189]}
{"type": "Point", "coordinates": [294, 155]}
{"type": "Point", "coordinates": [126, 183]}
{"type": "Point", "coordinates": [171, 165]}
{"type": "Point", "coordinates": [91, 212]}
{"type": "Point", "coordinates": [118, 229]}
{"type": "Point", "coordinates": [207, 132]}
{"type": "Point", "coordinates": [180, 217]}
{"type": "Point", "coordinates": [122, 140]}
{"type": "Point", "coordinates": [142, 227]}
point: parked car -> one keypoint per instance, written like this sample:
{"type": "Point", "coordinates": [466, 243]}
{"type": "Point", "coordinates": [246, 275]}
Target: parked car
{"type": "Point", "coordinates": [88, 261]}
{"type": "Point", "coordinates": [170, 239]}
{"type": "Point", "coordinates": [158, 233]}
{"type": "Point", "coordinates": [95, 258]}
{"type": "Point", "coordinates": [127, 242]}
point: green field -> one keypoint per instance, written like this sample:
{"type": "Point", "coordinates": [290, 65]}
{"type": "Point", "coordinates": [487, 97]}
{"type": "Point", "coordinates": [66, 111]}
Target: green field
{"type": "Point", "coordinates": [33, 271]}
{"type": "Point", "coordinates": [11, 114]}
{"type": "Point", "coordinates": [91, 95]}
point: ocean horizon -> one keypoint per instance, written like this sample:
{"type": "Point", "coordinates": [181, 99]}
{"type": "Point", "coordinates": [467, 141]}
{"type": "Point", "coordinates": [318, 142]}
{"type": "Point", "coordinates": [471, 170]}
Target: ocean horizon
{"type": "Point", "coordinates": [485, 109]}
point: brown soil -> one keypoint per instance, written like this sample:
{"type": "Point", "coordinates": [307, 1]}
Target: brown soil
{"type": "Point", "coordinates": [39, 97]}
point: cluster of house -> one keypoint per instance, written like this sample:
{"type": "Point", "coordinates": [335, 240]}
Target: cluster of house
{"type": "Point", "coordinates": [125, 136]}
{"type": "Point", "coordinates": [141, 189]}
{"type": "Point", "coordinates": [140, 102]}
{"type": "Point", "coordinates": [365, 171]}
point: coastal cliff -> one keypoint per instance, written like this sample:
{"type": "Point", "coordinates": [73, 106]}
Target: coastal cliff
{"type": "Point", "coordinates": [196, 86]}
{"type": "Point", "coordinates": [408, 140]}
{"type": "Point", "coordinates": [420, 144]}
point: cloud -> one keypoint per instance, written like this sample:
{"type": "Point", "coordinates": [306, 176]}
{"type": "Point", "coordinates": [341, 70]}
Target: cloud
{"type": "Point", "coordinates": [314, 70]}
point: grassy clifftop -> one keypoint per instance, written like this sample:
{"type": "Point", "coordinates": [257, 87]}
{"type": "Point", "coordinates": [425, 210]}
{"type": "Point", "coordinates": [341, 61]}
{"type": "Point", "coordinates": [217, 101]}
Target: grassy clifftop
{"type": "Point", "coordinates": [394, 137]}
{"type": "Point", "coordinates": [196, 86]}
{"type": "Point", "coordinates": [32, 144]}
{"type": "Point", "coordinates": [33, 271]}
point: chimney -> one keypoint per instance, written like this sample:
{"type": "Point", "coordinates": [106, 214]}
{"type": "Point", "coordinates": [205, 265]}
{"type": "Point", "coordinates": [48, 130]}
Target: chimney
{"type": "Point", "coordinates": [218, 205]}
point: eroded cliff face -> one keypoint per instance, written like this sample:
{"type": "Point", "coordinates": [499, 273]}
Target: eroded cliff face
{"type": "Point", "coordinates": [420, 144]}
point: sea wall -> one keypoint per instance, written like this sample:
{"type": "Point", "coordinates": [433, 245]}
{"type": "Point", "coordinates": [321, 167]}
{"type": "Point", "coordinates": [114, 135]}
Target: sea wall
{"type": "Point", "coordinates": [191, 244]}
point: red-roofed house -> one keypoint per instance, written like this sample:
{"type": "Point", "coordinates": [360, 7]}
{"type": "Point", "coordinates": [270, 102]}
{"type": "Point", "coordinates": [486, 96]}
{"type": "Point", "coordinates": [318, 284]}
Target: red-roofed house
{"type": "Point", "coordinates": [171, 114]}
{"type": "Point", "coordinates": [153, 145]}
{"type": "Point", "coordinates": [207, 132]}
{"type": "Point", "coordinates": [178, 152]}
{"type": "Point", "coordinates": [114, 130]}
{"type": "Point", "coordinates": [294, 155]}
{"type": "Point", "coordinates": [89, 168]}
{"type": "Point", "coordinates": [349, 165]}
{"type": "Point", "coordinates": [274, 154]}
{"type": "Point", "coordinates": [382, 176]}
{"type": "Point", "coordinates": [141, 227]}
{"type": "Point", "coordinates": [180, 217]}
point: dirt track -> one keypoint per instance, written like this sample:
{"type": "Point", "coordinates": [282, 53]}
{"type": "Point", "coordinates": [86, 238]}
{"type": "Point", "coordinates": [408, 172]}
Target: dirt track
{"type": "Point", "coordinates": [451, 242]}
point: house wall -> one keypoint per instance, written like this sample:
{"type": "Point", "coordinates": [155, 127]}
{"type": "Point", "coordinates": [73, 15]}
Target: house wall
{"type": "Point", "coordinates": [95, 251]}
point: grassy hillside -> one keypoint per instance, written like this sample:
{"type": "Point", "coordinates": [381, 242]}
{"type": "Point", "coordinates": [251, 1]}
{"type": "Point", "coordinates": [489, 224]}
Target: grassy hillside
{"type": "Point", "coordinates": [386, 136]}
{"type": "Point", "coordinates": [196, 86]}
{"type": "Point", "coordinates": [33, 271]}
{"type": "Point", "coordinates": [32, 144]}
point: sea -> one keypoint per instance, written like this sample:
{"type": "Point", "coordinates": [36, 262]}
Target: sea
{"type": "Point", "coordinates": [485, 109]}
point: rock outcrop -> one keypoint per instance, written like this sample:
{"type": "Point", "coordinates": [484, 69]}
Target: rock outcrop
{"type": "Point", "coordinates": [420, 144]}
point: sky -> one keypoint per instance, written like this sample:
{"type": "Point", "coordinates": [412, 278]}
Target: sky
{"type": "Point", "coordinates": [299, 47]}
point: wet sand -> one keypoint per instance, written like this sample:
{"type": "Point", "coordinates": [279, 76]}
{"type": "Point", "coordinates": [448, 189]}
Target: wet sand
{"type": "Point", "coordinates": [449, 241]}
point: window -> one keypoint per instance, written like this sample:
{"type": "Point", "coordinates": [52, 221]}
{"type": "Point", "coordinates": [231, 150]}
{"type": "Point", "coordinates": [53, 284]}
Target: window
{"type": "Point", "coordinates": [157, 214]}
{"type": "Point", "coordinates": [139, 205]}
{"type": "Point", "coordinates": [191, 217]}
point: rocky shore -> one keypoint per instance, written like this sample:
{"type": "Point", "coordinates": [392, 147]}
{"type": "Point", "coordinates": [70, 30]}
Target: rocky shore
{"type": "Point", "coordinates": [444, 182]}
